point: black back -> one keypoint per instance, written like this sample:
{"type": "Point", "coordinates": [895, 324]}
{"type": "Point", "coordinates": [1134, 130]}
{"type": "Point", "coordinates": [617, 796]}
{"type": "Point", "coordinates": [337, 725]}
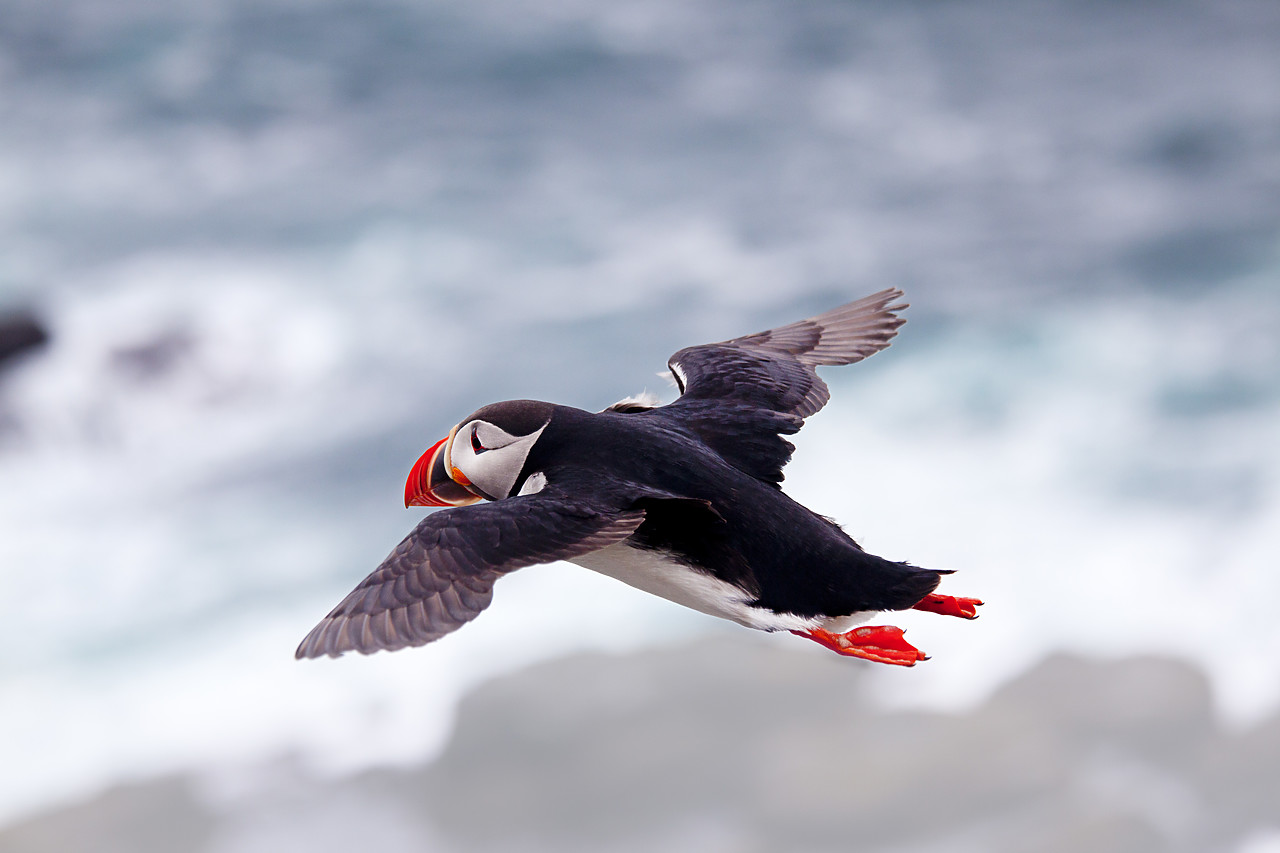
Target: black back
{"type": "Point", "coordinates": [714, 517]}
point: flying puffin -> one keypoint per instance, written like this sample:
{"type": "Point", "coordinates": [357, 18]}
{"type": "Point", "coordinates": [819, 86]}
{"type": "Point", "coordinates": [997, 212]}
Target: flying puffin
{"type": "Point", "coordinates": [682, 501]}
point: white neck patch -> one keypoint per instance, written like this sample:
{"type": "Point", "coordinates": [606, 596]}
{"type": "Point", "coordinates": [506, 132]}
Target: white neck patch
{"type": "Point", "coordinates": [534, 483]}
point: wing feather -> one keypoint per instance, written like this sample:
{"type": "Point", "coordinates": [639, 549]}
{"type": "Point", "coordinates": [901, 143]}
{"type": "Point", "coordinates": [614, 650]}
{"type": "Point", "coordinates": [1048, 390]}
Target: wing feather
{"type": "Point", "coordinates": [441, 576]}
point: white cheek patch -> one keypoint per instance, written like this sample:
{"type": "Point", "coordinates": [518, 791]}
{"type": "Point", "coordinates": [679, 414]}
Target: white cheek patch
{"type": "Point", "coordinates": [494, 471]}
{"type": "Point", "coordinates": [534, 483]}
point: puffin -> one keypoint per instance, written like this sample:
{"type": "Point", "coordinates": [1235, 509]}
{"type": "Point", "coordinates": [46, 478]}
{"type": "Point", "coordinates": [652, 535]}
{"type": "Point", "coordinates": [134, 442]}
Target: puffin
{"type": "Point", "coordinates": [683, 501]}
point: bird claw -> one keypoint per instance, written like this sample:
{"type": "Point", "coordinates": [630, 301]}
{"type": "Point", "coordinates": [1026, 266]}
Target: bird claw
{"type": "Point", "coordinates": [878, 643]}
{"type": "Point", "coordinates": [949, 605]}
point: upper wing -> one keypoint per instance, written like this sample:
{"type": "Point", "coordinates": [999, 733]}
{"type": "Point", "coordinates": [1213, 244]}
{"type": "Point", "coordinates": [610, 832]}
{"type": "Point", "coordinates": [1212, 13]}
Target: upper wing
{"type": "Point", "coordinates": [441, 576]}
{"type": "Point", "coordinates": [775, 370]}
{"type": "Point", "coordinates": [741, 396]}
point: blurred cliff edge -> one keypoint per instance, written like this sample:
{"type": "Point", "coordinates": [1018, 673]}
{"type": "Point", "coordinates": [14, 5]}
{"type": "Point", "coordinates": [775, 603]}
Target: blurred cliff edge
{"type": "Point", "coordinates": [740, 746]}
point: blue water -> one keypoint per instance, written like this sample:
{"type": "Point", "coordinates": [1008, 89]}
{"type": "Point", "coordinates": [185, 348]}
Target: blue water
{"type": "Point", "coordinates": [283, 247]}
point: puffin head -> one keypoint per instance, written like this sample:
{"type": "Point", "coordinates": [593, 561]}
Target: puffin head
{"type": "Point", "coordinates": [481, 458]}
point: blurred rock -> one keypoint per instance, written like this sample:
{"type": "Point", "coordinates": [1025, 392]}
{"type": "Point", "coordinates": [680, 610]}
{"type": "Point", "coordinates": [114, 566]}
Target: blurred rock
{"type": "Point", "coordinates": [781, 750]}
{"type": "Point", "coordinates": [161, 815]}
{"type": "Point", "coordinates": [151, 359]}
{"type": "Point", "coordinates": [20, 331]}
{"type": "Point", "coordinates": [742, 746]}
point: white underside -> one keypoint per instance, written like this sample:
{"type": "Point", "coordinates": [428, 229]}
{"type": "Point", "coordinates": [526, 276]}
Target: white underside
{"type": "Point", "coordinates": [657, 574]}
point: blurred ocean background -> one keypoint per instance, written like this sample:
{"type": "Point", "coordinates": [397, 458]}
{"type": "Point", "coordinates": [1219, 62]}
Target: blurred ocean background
{"type": "Point", "coordinates": [280, 248]}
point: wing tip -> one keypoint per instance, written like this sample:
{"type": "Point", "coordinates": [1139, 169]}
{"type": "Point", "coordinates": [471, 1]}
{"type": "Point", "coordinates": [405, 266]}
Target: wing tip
{"type": "Point", "coordinates": [856, 330]}
{"type": "Point", "coordinates": [334, 636]}
{"type": "Point", "coordinates": [313, 645]}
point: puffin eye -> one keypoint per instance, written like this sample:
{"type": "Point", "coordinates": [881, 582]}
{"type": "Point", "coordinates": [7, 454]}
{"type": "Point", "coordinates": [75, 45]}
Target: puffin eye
{"type": "Point", "coordinates": [475, 440]}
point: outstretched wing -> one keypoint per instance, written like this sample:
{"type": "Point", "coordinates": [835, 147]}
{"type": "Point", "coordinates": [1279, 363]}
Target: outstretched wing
{"type": "Point", "coordinates": [742, 395]}
{"type": "Point", "coordinates": [441, 576]}
{"type": "Point", "coordinates": [776, 370]}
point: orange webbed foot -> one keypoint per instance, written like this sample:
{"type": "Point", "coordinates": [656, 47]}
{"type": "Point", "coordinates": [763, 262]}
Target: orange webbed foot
{"type": "Point", "coordinates": [879, 643]}
{"type": "Point", "coordinates": [949, 605]}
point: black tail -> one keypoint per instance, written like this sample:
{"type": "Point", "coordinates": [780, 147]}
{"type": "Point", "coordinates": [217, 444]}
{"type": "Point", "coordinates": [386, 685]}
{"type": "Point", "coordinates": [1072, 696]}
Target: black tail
{"type": "Point", "coordinates": [902, 585]}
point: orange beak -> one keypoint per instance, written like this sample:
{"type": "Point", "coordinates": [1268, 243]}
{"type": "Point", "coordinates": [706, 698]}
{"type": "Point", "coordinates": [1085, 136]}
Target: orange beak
{"type": "Point", "coordinates": [430, 483]}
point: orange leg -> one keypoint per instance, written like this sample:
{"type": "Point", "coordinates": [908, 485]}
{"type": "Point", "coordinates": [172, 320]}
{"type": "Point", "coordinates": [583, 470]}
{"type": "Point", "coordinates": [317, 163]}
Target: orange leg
{"type": "Point", "coordinates": [949, 605]}
{"type": "Point", "coordinates": [879, 643]}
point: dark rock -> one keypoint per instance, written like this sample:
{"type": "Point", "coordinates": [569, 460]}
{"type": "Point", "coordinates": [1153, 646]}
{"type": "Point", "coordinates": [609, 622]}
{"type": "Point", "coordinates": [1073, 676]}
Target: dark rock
{"type": "Point", "coordinates": [20, 332]}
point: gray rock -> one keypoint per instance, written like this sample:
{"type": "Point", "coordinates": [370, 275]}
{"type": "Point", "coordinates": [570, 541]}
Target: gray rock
{"type": "Point", "coordinates": [735, 745]}
{"type": "Point", "coordinates": [148, 817]}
